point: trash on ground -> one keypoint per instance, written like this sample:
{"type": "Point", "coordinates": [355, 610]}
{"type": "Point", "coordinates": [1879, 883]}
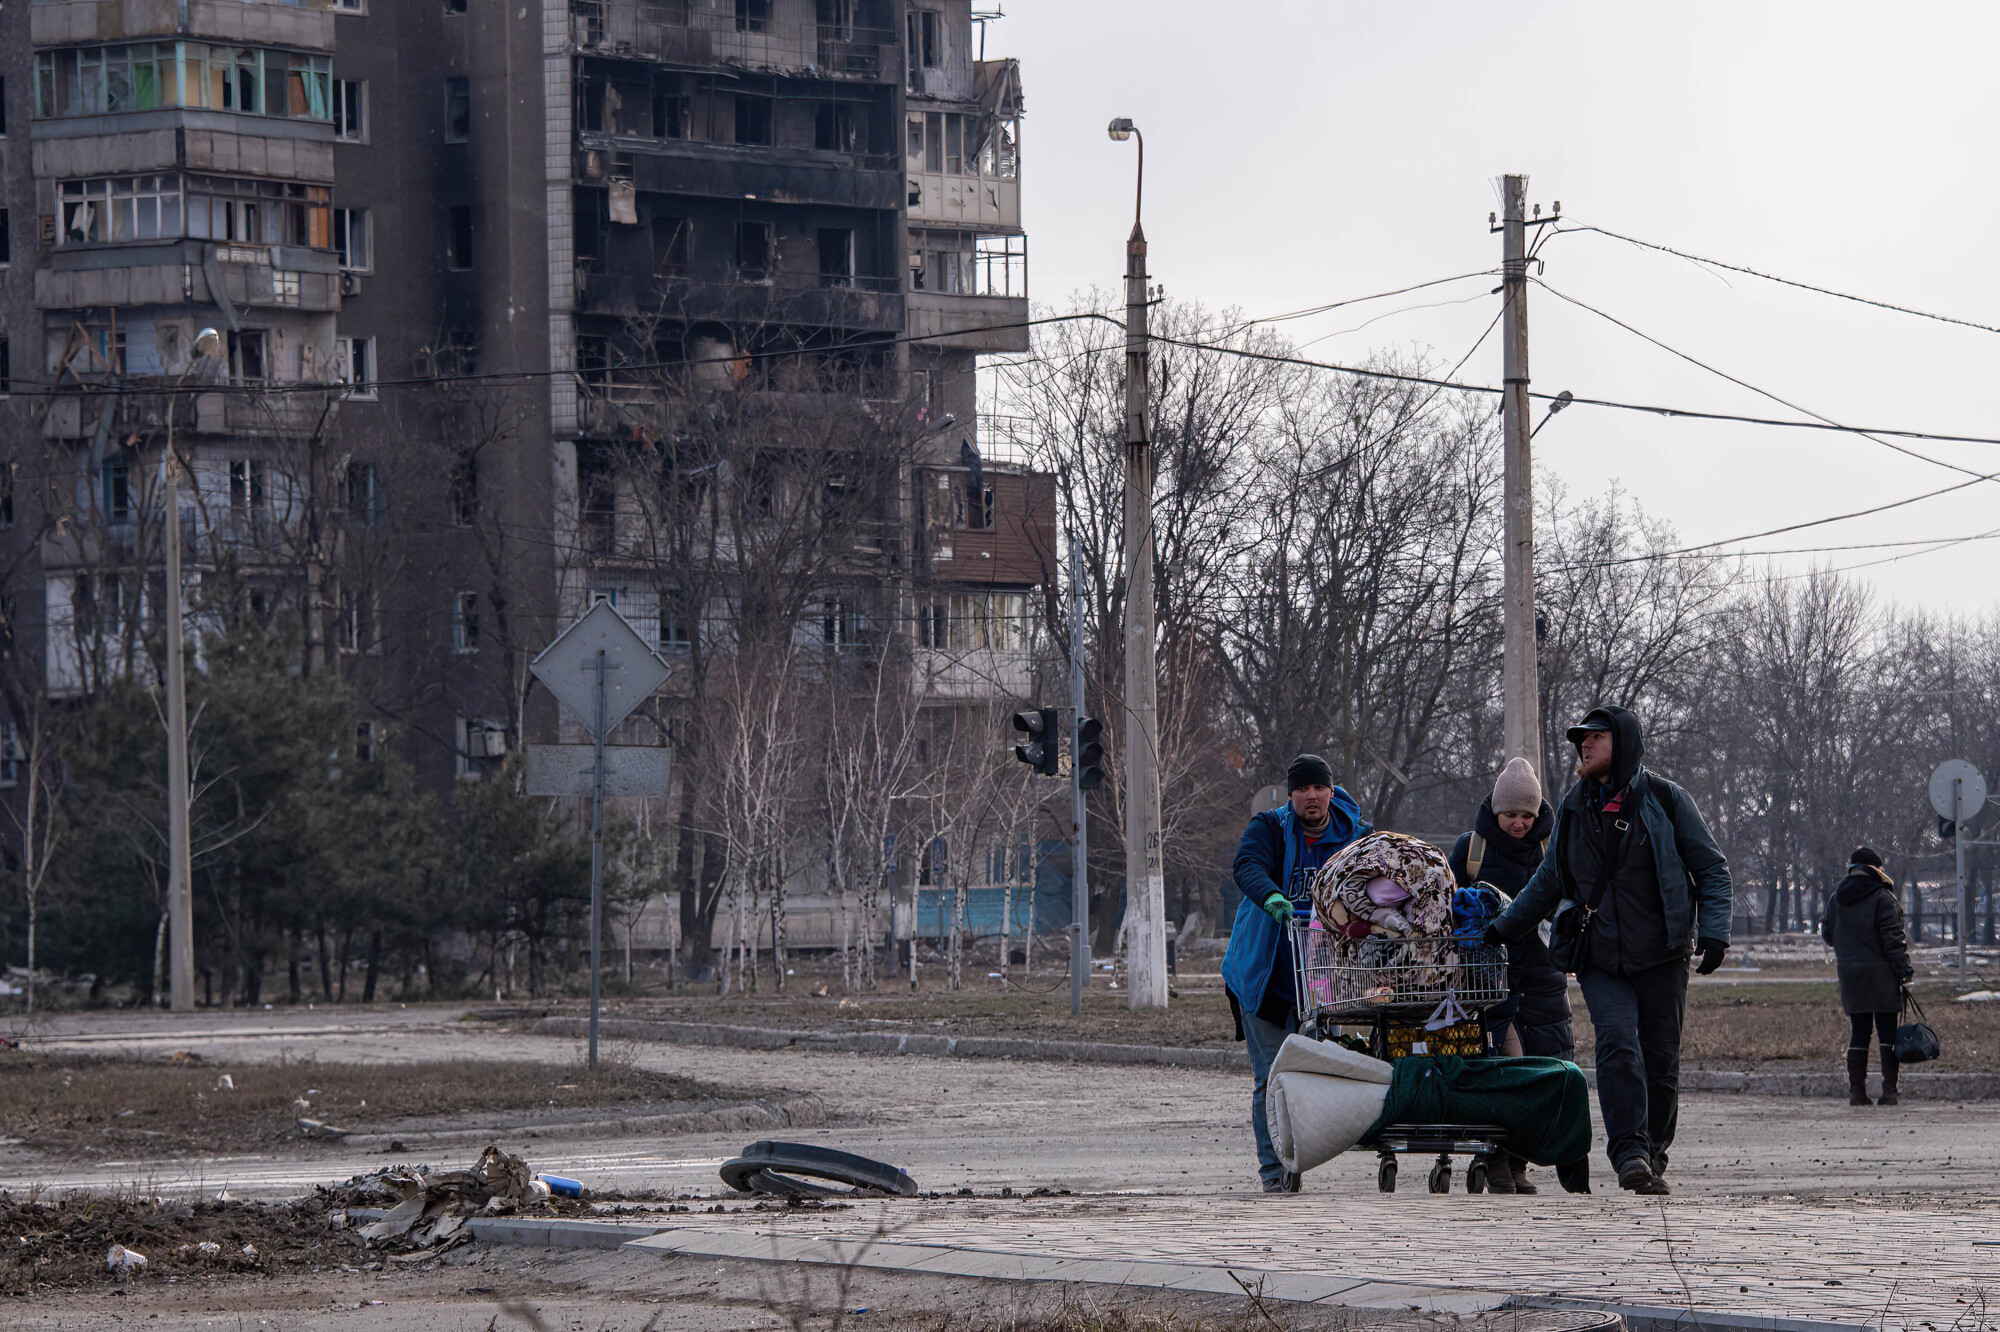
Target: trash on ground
{"type": "Point", "coordinates": [1980, 997]}
{"type": "Point", "coordinates": [225, 1083]}
{"type": "Point", "coordinates": [561, 1186]}
{"type": "Point", "coordinates": [769, 1168]}
{"type": "Point", "coordinates": [313, 1128]}
{"type": "Point", "coordinates": [428, 1208]}
{"type": "Point", "coordinates": [122, 1259]}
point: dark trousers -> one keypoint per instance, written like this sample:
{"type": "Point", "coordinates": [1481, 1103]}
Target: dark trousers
{"type": "Point", "coordinates": [1884, 1025]}
{"type": "Point", "coordinates": [1638, 1020]}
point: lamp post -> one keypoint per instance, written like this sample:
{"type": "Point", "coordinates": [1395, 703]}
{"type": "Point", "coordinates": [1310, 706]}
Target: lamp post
{"type": "Point", "coordinates": [180, 879]}
{"type": "Point", "coordinates": [1145, 884]}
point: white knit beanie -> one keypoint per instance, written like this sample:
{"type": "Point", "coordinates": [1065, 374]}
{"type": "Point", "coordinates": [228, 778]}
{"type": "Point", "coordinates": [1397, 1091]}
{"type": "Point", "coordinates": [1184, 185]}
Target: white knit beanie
{"type": "Point", "coordinates": [1517, 789]}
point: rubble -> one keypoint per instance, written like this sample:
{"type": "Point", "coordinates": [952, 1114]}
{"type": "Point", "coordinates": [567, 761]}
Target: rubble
{"type": "Point", "coordinates": [427, 1209]}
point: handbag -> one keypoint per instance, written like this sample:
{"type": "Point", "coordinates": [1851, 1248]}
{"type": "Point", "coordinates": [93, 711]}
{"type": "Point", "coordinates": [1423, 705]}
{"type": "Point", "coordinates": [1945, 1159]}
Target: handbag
{"type": "Point", "coordinates": [1569, 929]}
{"type": "Point", "coordinates": [1916, 1043]}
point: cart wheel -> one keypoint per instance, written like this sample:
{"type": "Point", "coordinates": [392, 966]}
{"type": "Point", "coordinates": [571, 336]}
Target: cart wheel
{"type": "Point", "coordinates": [1441, 1175]}
{"type": "Point", "coordinates": [1385, 1175]}
{"type": "Point", "coordinates": [1475, 1176]}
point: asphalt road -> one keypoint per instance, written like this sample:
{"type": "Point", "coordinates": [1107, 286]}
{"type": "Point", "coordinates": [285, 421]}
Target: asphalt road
{"type": "Point", "coordinates": [983, 1124]}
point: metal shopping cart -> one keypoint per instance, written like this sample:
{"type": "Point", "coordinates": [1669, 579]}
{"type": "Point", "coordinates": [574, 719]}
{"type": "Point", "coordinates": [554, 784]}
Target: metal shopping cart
{"type": "Point", "coordinates": [1413, 997]}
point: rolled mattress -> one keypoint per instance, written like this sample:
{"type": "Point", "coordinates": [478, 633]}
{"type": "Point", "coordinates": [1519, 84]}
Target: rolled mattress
{"type": "Point", "coordinates": [1320, 1099]}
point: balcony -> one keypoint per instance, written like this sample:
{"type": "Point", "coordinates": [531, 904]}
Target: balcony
{"type": "Point", "coordinates": [793, 300]}
{"type": "Point", "coordinates": [973, 673]}
{"type": "Point", "coordinates": [969, 323]}
{"type": "Point", "coordinates": [683, 32]}
{"type": "Point", "coordinates": [299, 25]}
{"type": "Point", "coordinates": [731, 171]}
{"type": "Point", "coordinates": [283, 277]}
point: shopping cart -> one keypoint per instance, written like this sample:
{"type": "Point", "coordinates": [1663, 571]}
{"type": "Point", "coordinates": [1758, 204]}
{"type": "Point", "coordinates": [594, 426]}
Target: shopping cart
{"type": "Point", "coordinates": [1414, 997]}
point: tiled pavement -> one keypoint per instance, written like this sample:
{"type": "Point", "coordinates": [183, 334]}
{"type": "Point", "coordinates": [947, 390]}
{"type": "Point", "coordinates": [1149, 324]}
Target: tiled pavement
{"type": "Point", "coordinates": [1879, 1264]}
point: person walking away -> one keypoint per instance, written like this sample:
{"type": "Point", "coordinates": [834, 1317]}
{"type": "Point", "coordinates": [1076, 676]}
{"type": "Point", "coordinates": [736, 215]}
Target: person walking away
{"type": "Point", "coordinates": [1632, 858]}
{"type": "Point", "coordinates": [1281, 851]}
{"type": "Point", "coordinates": [1864, 926]}
{"type": "Point", "coordinates": [1503, 850]}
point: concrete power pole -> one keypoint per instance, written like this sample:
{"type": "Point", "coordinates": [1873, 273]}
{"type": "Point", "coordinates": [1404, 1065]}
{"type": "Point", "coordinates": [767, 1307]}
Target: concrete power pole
{"type": "Point", "coordinates": [1520, 689]}
{"type": "Point", "coordinates": [180, 859]}
{"type": "Point", "coordinates": [1145, 882]}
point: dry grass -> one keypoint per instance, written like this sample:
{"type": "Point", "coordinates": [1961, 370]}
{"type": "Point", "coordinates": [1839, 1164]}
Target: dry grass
{"type": "Point", "coordinates": [85, 1105]}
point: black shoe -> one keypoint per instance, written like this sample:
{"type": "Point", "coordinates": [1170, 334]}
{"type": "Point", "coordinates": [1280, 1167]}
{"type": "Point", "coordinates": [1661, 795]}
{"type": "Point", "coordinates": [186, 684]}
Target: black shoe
{"type": "Point", "coordinates": [1659, 1163]}
{"type": "Point", "coordinates": [1637, 1175]}
{"type": "Point", "coordinates": [1289, 1182]}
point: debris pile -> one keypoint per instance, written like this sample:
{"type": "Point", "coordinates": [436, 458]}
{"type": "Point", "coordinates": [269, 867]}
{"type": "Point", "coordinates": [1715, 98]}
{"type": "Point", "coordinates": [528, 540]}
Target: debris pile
{"type": "Point", "coordinates": [418, 1212]}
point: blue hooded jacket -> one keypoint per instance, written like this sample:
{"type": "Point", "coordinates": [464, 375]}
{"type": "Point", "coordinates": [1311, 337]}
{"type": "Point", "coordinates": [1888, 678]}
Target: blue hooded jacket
{"type": "Point", "coordinates": [1266, 861]}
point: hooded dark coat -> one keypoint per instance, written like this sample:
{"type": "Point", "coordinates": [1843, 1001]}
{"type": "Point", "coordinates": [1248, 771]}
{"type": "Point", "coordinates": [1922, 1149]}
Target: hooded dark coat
{"type": "Point", "coordinates": [1541, 992]}
{"type": "Point", "coordinates": [1864, 924]}
{"type": "Point", "coordinates": [1669, 853]}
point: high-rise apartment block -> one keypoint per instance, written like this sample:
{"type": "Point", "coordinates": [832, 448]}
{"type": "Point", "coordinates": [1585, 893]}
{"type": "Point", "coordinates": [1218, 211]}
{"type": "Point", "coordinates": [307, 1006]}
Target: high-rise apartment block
{"type": "Point", "coordinates": [470, 263]}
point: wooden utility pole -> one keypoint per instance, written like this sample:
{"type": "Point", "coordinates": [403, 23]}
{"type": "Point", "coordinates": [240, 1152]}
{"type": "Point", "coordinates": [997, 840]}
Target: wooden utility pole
{"type": "Point", "coordinates": [1520, 689]}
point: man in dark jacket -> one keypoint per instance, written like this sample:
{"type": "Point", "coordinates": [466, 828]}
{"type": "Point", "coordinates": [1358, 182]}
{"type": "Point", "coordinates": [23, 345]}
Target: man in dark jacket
{"type": "Point", "coordinates": [1503, 850]}
{"type": "Point", "coordinates": [1631, 854]}
{"type": "Point", "coordinates": [1281, 851]}
{"type": "Point", "coordinates": [1864, 926]}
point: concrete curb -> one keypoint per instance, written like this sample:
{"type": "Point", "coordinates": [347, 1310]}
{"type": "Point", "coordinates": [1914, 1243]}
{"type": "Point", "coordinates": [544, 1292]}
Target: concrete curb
{"type": "Point", "coordinates": [896, 1043]}
{"type": "Point", "coordinates": [1913, 1086]}
{"type": "Point", "coordinates": [794, 1112]}
{"type": "Point", "coordinates": [557, 1232]}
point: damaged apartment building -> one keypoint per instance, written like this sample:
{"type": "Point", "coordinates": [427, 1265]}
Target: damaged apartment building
{"type": "Point", "coordinates": [459, 256]}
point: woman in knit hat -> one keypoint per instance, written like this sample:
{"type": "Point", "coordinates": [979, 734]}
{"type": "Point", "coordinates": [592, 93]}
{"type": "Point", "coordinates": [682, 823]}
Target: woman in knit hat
{"type": "Point", "coordinates": [1864, 924]}
{"type": "Point", "coordinates": [1504, 849]}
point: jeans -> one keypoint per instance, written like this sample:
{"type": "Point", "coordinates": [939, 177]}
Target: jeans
{"type": "Point", "coordinates": [1638, 1020]}
{"type": "Point", "coordinates": [1262, 1039]}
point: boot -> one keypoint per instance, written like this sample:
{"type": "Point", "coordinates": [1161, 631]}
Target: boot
{"type": "Point", "coordinates": [1890, 1067]}
{"type": "Point", "coordinates": [1519, 1165]}
{"type": "Point", "coordinates": [1857, 1077]}
{"type": "Point", "coordinates": [1500, 1174]}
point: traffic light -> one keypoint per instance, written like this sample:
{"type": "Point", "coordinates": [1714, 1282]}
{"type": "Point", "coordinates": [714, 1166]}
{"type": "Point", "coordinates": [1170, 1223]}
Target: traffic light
{"type": "Point", "coordinates": [1087, 754]}
{"type": "Point", "coordinates": [1041, 749]}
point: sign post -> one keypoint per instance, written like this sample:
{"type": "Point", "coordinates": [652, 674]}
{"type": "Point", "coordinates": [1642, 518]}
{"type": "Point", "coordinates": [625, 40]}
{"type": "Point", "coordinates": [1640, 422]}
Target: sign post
{"type": "Point", "coordinates": [578, 669]}
{"type": "Point", "coordinates": [1958, 791]}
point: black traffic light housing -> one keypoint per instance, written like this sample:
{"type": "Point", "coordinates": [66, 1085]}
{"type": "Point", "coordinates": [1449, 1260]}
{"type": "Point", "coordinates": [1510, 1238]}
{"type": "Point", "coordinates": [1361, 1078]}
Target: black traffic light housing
{"type": "Point", "coordinates": [1041, 749]}
{"type": "Point", "coordinates": [1087, 753]}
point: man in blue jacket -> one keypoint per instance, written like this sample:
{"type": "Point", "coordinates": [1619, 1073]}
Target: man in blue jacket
{"type": "Point", "coordinates": [1281, 851]}
{"type": "Point", "coordinates": [1631, 854]}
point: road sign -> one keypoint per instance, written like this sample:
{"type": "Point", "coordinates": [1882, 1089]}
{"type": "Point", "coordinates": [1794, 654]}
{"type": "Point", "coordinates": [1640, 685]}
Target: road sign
{"type": "Point", "coordinates": [629, 770]}
{"type": "Point", "coordinates": [632, 671]}
{"type": "Point", "coordinates": [1971, 790]}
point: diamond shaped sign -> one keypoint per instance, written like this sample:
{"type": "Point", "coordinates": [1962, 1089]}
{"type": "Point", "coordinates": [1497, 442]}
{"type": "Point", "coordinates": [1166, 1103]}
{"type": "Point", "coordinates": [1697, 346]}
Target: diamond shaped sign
{"type": "Point", "coordinates": [568, 666]}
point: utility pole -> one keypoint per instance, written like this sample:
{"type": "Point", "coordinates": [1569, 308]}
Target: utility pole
{"type": "Point", "coordinates": [1521, 729]}
{"type": "Point", "coordinates": [1958, 813]}
{"type": "Point", "coordinates": [1079, 881]}
{"type": "Point", "coordinates": [180, 859]}
{"type": "Point", "coordinates": [1145, 883]}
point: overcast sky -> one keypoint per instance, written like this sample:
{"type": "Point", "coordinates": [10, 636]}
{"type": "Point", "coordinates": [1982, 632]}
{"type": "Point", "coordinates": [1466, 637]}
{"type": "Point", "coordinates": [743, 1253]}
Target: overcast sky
{"type": "Point", "coordinates": [1305, 152]}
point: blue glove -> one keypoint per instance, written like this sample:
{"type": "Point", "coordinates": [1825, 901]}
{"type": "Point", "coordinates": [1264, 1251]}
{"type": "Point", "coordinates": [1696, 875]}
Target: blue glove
{"type": "Point", "coordinates": [1278, 907]}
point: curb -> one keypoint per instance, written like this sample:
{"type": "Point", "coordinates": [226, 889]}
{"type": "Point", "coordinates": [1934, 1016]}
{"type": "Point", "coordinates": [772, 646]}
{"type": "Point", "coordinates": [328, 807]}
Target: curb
{"type": "Point", "coordinates": [557, 1232]}
{"type": "Point", "coordinates": [897, 1043]}
{"type": "Point", "coordinates": [794, 1112]}
{"type": "Point", "coordinates": [1913, 1086]}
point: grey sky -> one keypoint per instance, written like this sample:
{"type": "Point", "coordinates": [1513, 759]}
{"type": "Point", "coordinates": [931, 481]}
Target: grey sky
{"type": "Point", "coordinates": [1299, 153]}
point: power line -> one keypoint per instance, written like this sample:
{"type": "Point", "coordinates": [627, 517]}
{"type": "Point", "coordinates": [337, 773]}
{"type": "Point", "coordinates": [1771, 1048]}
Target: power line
{"type": "Point", "coordinates": [1784, 281]}
{"type": "Point", "coordinates": [1745, 384]}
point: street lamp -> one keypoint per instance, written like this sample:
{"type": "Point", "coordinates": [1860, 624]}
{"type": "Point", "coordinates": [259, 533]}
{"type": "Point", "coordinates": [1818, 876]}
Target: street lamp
{"type": "Point", "coordinates": [1145, 883]}
{"type": "Point", "coordinates": [180, 878]}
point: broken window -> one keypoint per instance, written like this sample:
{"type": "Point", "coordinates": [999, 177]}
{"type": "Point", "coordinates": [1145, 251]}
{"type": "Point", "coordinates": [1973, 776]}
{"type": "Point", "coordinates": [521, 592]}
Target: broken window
{"type": "Point", "coordinates": [593, 359]}
{"type": "Point", "coordinates": [365, 503]}
{"type": "Point", "coordinates": [464, 497]}
{"type": "Point", "coordinates": [753, 15]}
{"type": "Point", "coordinates": [673, 237]}
{"type": "Point", "coordinates": [117, 496]}
{"type": "Point", "coordinates": [934, 141]}
{"type": "Point", "coordinates": [975, 511]}
{"type": "Point", "coordinates": [465, 622]}
{"type": "Point", "coordinates": [954, 145]}
{"type": "Point", "coordinates": [834, 128]}
{"type": "Point", "coordinates": [670, 116]}
{"type": "Point", "coordinates": [923, 36]}
{"type": "Point", "coordinates": [458, 236]}
{"type": "Point", "coordinates": [753, 250]}
{"type": "Point", "coordinates": [836, 257]}
{"type": "Point", "coordinates": [457, 110]}
{"type": "Point", "coordinates": [753, 120]}
{"type": "Point", "coordinates": [246, 356]}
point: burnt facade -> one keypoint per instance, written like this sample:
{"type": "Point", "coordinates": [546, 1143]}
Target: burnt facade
{"type": "Point", "coordinates": [453, 252]}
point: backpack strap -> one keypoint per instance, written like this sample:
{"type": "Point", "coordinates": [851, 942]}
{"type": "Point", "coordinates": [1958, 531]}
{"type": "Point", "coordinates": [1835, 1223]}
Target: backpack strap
{"type": "Point", "coordinates": [1475, 856]}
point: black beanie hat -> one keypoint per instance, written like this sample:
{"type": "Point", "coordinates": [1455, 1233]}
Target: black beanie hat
{"type": "Point", "coordinates": [1308, 770]}
{"type": "Point", "coordinates": [1865, 856]}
